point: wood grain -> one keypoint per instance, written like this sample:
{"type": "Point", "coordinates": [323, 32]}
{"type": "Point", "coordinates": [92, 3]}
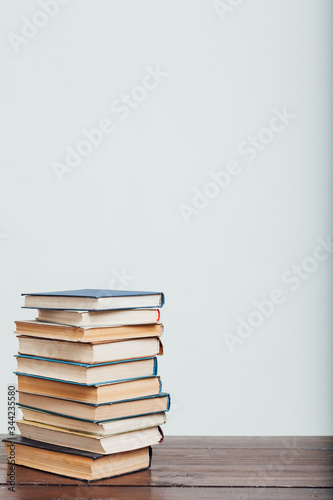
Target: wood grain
{"type": "Point", "coordinates": [147, 493]}
{"type": "Point", "coordinates": [237, 468]}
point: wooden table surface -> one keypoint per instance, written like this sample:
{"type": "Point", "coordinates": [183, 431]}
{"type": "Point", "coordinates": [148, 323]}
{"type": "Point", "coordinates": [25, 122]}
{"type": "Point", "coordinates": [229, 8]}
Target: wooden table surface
{"type": "Point", "coordinates": [235, 468]}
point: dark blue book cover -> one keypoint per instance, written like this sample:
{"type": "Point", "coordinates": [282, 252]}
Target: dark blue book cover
{"type": "Point", "coordinates": [91, 293]}
{"type": "Point", "coordinates": [95, 293]}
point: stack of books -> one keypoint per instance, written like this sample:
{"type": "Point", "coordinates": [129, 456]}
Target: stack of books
{"type": "Point", "coordinates": [87, 380]}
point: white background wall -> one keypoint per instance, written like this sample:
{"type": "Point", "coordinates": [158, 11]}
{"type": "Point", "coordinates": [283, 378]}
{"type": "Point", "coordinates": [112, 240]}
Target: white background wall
{"type": "Point", "coordinates": [120, 208]}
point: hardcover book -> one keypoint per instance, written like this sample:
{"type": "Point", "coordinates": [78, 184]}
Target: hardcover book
{"type": "Point", "coordinates": [93, 300]}
{"type": "Point", "coordinates": [87, 333]}
{"type": "Point", "coordinates": [98, 393]}
{"type": "Point", "coordinates": [107, 427]}
{"type": "Point", "coordinates": [76, 464]}
{"type": "Point", "coordinates": [85, 373]}
{"type": "Point", "coordinates": [117, 317]}
{"type": "Point", "coordinates": [105, 445]}
{"type": "Point", "coordinates": [92, 352]}
{"type": "Point", "coordinates": [156, 403]}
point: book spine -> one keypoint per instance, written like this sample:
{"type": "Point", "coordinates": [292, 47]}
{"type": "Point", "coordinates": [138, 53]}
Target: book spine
{"type": "Point", "coordinates": [162, 435]}
{"type": "Point", "coordinates": [155, 366]}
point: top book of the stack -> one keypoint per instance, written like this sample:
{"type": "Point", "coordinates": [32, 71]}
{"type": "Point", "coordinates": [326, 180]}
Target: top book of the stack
{"type": "Point", "coordinates": [93, 300]}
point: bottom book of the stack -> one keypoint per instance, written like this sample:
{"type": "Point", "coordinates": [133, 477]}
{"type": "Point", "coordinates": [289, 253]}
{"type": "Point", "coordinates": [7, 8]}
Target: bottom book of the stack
{"type": "Point", "coordinates": [75, 463]}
